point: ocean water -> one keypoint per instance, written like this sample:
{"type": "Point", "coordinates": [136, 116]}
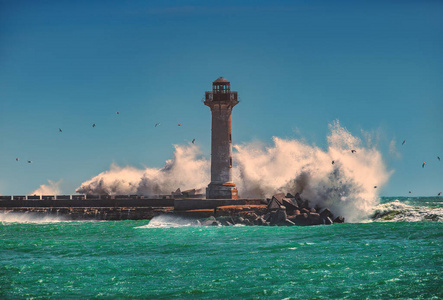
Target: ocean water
{"type": "Point", "coordinates": [399, 255]}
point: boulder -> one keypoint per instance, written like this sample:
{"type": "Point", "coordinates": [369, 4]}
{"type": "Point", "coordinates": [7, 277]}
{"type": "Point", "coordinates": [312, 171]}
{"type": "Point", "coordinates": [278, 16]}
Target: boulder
{"type": "Point", "coordinates": [315, 219]}
{"type": "Point", "coordinates": [274, 204]}
{"type": "Point", "coordinates": [326, 213]}
{"type": "Point", "coordinates": [298, 200]}
{"type": "Point", "coordinates": [279, 216]}
{"type": "Point", "coordinates": [247, 222]}
{"type": "Point", "coordinates": [304, 211]}
{"type": "Point", "coordinates": [239, 220]}
{"type": "Point", "coordinates": [328, 221]}
{"type": "Point", "coordinates": [301, 219]}
{"type": "Point", "coordinates": [339, 219]}
{"type": "Point", "coordinates": [271, 216]}
{"type": "Point", "coordinates": [286, 222]}
{"type": "Point", "coordinates": [290, 204]}
{"type": "Point", "coordinates": [259, 221]}
{"type": "Point", "coordinates": [279, 197]}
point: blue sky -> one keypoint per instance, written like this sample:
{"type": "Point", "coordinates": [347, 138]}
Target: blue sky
{"type": "Point", "coordinates": [376, 66]}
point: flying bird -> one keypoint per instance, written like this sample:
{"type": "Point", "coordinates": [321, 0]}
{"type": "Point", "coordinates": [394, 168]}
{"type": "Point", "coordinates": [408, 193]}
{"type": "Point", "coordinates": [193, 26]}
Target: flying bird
{"type": "Point", "coordinates": [16, 159]}
{"type": "Point", "coordinates": [93, 125]}
{"type": "Point", "coordinates": [157, 124]}
{"type": "Point", "coordinates": [193, 141]}
{"type": "Point", "coordinates": [375, 186]}
{"type": "Point", "coordinates": [29, 161]}
{"type": "Point", "coordinates": [179, 124]}
{"type": "Point", "coordinates": [60, 130]}
{"type": "Point", "coordinates": [404, 141]}
{"type": "Point", "coordinates": [118, 113]}
{"type": "Point", "coordinates": [333, 162]}
{"type": "Point", "coordinates": [439, 194]}
{"type": "Point", "coordinates": [438, 157]}
{"type": "Point", "coordinates": [353, 151]}
{"type": "Point", "coordinates": [423, 165]}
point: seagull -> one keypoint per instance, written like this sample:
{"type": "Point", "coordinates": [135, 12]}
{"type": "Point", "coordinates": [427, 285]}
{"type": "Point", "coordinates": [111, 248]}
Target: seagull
{"type": "Point", "coordinates": [193, 141]}
{"type": "Point", "coordinates": [16, 159]}
{"type": "Point", "coordinates": [353, 151]}
{"type": "Point", "coordinates": [333, 162]}
{"type": "Point", "coordinates": [439, 194]}
{"type": "Point", "coordinates": [409, 192]}
{"type": "Point", "coordinates": [404, 141]}
{"type": "Point", "coordinates": [423, 165]}
{"type": "Point", "coordinates": [157, 124]}
{"type": "Point", "coordinates": [93, 125]}
{"type": "Point", "coordinates": [60, 130]}
{"type": "Point", "coordinates": [29, 161]}
{"type": "Point", "coordinates": [438, 157]}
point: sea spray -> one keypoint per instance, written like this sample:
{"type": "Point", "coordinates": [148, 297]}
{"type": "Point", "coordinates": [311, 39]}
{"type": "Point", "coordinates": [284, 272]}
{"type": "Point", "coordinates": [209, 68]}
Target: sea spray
{"type": "Point", "coordinates": [52, 188]}
{"type": "Point", "coordinates": [343, 180]}
{"type": "Point", "coordinates": [20, 217]}
{"type": "Point", "coordinates": [168, 221]}
{"type": "Point", "coordinates": [188, 169]}
{"type": "Point", "coordinates": [340, 179]}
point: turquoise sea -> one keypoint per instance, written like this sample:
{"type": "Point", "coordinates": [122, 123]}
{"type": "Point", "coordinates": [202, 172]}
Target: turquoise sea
{"type": "Point", "coordinates": [399, 255]}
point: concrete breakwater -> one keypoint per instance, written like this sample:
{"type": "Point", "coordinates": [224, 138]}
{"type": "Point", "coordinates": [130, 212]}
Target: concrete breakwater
{"type": "Point", "coordinates": [280, 210]}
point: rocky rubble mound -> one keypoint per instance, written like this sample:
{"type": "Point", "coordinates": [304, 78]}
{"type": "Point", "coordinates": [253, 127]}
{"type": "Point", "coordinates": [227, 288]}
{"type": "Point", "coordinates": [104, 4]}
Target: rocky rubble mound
{"type": "Point", "coordinates": [282, 210]}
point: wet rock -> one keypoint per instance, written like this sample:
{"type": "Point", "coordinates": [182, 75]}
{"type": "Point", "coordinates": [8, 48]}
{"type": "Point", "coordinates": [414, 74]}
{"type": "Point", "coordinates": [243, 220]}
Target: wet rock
{"type": "Point", "coordinates": [326, 213]}
{"type": "Point", "coordinates": [315, 219]}
{"type": "Point", "coordinates": [328, 221]}
{"type": "Point", "coordinates": [301, 219]}
{"type": "Point", "coordinates": [287, 222]}
{"type": "Point", "coordinates": [304, 211]}
{"type": "Point", "coordinates": [279, 216]}
{"type": "Point", "coordinates": [271, 216]}
{"type": "Point", "coordinates": [279, 197]}
{"type": "Point", "coordinates": [259, 221]}
{"type": "Point", "coordinates": [339, 219]}
{"type": "Point", "coordinates": [290, 204]}
{"type": "Point", "coordinates": [239, 220]}
{"type": "Point", "coordinates": [274, 204]}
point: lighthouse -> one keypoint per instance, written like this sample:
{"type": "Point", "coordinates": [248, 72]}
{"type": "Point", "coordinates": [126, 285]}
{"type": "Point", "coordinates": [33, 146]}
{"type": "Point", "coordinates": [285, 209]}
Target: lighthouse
{"type": "Point", "coordinates": [221, 101]}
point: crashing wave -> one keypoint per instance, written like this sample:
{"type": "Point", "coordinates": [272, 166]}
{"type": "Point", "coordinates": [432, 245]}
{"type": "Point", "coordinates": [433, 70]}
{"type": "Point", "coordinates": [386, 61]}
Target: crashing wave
{"type": "Point", "coordinates": [397, 211]}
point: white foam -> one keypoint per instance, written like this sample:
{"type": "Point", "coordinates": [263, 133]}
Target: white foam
{"type": "Point", "coordinates": [167, 221]}
{"type": "Point", "coordinates": [400, 212]}
{"type": "Point", "coordinates": [19, 217]}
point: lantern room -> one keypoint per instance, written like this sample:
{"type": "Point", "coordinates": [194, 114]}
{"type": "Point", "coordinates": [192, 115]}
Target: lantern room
{"type": "Point", "coordinates": [221, 86]}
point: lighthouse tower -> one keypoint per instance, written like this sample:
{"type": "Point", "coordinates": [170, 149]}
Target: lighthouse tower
{"type": "Point", "coordinates": [221, 101]}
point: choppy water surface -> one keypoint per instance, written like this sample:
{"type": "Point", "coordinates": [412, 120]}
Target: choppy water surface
{"type": "Point", "coordinates": [127, 259]}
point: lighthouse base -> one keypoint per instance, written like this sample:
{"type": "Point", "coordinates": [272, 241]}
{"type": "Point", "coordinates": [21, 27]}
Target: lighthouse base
{"type": "Point", "coordinates": [221, 191]}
